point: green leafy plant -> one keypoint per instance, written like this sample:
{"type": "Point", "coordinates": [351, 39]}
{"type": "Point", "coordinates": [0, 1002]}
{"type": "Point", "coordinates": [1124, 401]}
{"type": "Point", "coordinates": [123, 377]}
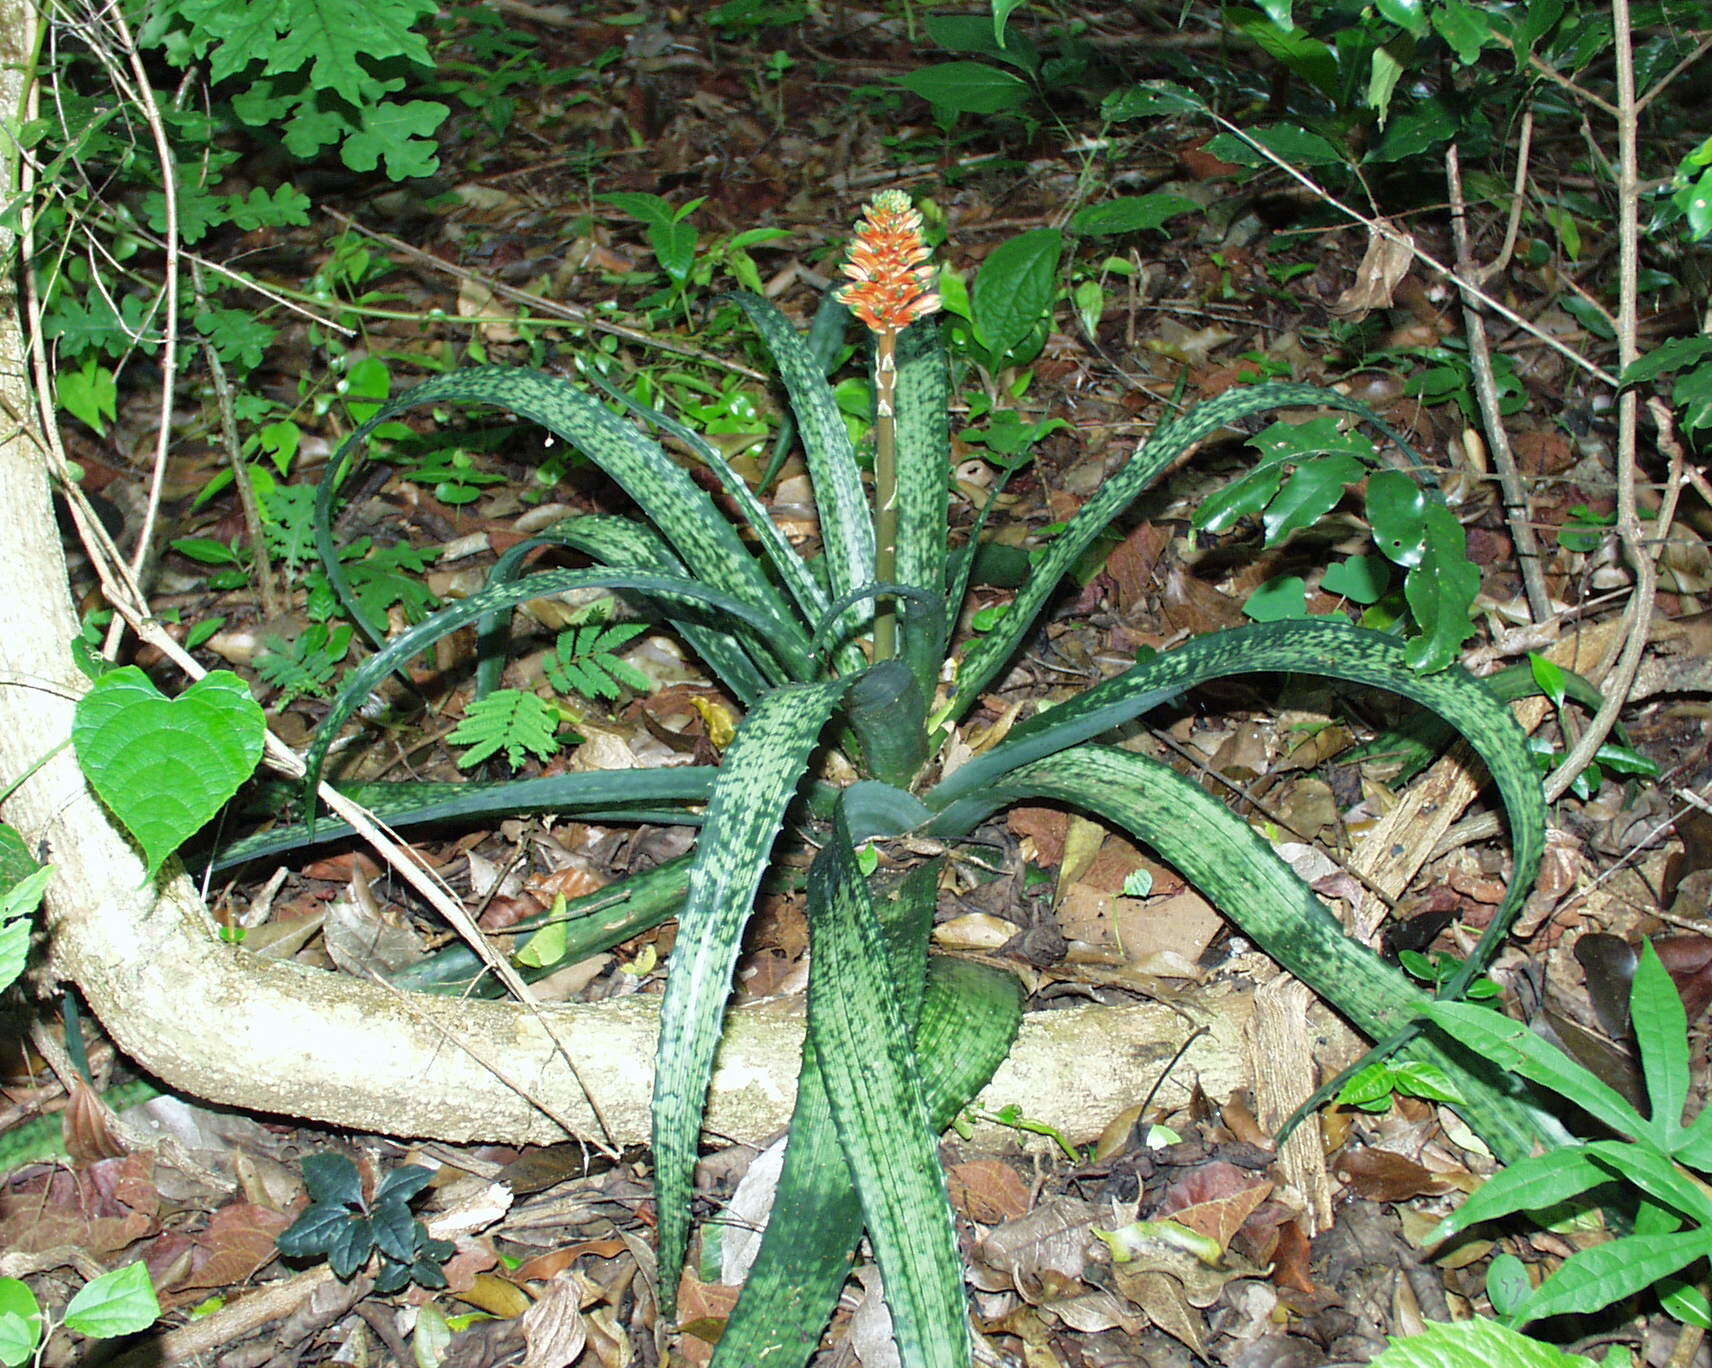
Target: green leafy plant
{"type": "Point", "coordinates": [306, 666]}
{"type": "Point", "coordinates": [1672, 1227]}
{"type": "Point", "coordinates": [121, 1302]}
{"type": "Point", "coordinates": [850, 651]}
{"type": "Point", "coordinates": [513, 720]}
{"type": "Point", "coordinates": [583, 660]}
{"type": "Point", "coordinates": [17, 905]}
{"type": "Point", "coordinates": [347, 1228]}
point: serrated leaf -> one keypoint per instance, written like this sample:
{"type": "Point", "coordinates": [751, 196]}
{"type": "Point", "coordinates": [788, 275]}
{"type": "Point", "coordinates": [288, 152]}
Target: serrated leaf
{"type": "Point", "coordinates": [394, 1230]}
{"type": "Point", "coordinates": [118, 1303]}
{"type": "Point", "coordinates": [403, 1183]}
{"type": "Point", "coordinates": [164, 766]}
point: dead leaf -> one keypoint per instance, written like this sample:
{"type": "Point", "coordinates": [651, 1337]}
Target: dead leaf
{"type": "Point", "coordinates": [988, 1191]}
{"type": "Point", "coordinates": [553, 1327]}
{"type": "Point", "coordinates": [1162, 1301]}
{"type": "Point", "coordinates": [1384, 264]}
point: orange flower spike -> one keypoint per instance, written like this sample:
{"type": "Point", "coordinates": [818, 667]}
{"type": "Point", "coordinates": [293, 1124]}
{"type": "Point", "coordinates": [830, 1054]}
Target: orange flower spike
{"type": "Point", "coordinates": [892, 288]}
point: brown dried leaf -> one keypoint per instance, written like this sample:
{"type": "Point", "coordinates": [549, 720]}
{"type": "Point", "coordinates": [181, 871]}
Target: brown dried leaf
{"type": "Point", "coordinates": [1384, 1176]}
{"type": "Point", "coordinates": [553, 1327]}
{"type": "Point", "coordinates": [1383, 266]}
{"type": "Point", "coordinates": [988, 1191]}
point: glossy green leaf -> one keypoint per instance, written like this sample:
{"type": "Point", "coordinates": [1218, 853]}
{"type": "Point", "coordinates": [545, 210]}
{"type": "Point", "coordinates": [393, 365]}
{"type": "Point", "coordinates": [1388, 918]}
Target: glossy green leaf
{"type": "Point", "coordinates": [1410, 15]}
{"type": "Point", "coordinates": [1313, 490]}
{"type": "Point", "coordinates": [164, 766]}
{"type": "Point", "coordinates": [1441, 592]}
{"type": "Point", "coordinates": [1396, 511]}
{"type": "Point", "coordinates": [20, 1322]}
{"type": "Point", "coordinates": [1475, 1343]}
{"type": "Point", "coordinates": [1513, 1046]}
{"type": "Point", "coordinates": [1536, 1182]}
{"type": "Point", "coordinates": [1464, 27]}
{"type": "Point", "coordinates": [1549, 676]}
{"type": "Point", "coordinates": [1360, 579]}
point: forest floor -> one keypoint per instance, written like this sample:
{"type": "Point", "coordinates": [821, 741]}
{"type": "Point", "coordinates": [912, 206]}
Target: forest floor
{"type": "Point", "coordinates": [793, 128]}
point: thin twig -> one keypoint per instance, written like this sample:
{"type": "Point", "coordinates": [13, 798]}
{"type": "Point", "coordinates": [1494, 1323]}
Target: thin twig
{"type": "Point", "coordinates": [573, 313]}
{"type": "Point", "coordinates": [1638, 615]}
{"type": "Point", "coordinates": [1518, 197]}
{"type": "Point", "coordinates": [1514, 497]}
{"type": "Point", "coordinates": [267, 585]}
{"type": "Point", "coordinates": [1382, 229]}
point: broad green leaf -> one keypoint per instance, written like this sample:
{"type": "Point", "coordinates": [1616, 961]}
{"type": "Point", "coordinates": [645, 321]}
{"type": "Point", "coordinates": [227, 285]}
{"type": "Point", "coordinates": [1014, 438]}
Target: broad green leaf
{"type": "Point", "coordinates": [1593, 1279]}
{"type": "Point", "coordinates": [118, 1303]}
{"type": "Point", "coordinates": [334, 39]}
{"type": "Point", "coordinates": [1661, 1031]}
{"type": "Point", "coordinates": [1129, 214]}
{"type": "Point", "coordinates": [1535, 1183]}
{"type": "Point", "coordinates": [1289, 142]}
{"type": "Point", "coordinates": [1001, 13]}
{"type": "Point", "coordinates": [20, 1322]}
{"type": "Point", "coordinates": [89, 393]}
{"type": "Point", "coordinates": [16, 907]}
{"type": "Point", "coordinates": [1657, 1176]}
{"type": "Point", "coordinates": [1243, 497]}
{"type": "Point", "coordinates": [1549, 676]}
{"type": "Point", "coordinates": [399, 135]}
{"type": "Point", "coordinates": [1507, 1283]}
{"type": "Point", "coordinates": [1674, 354]}
{"type": "Point", "coordinates": [1014, 292]}
{"type": "Point", "coordinates": [1464, 27]}
{"type": "Point", "coordinates": [1148, 99]}
{"type": "Point", "coordinates": [923, 399]}
{"type": "Point", "coordinates": [1419, 1078]}
{"type": "Point", "coordinates": [967, 88]}
{"type": "Point", "coordinates": [1409, 15]}
{"type": "Point", "coordinates": [1384, 71]}
{"type": "Point", "coordinates": [975, 33]}
{"type": "Point", "coordinates": [164, 766]}
{"type": "Point", "coordinates": [1476, 1343]}
{"type": "Point", "coordinates": [1298, 50]}
{"type": "Point", "coordinates": [1513, 1046]}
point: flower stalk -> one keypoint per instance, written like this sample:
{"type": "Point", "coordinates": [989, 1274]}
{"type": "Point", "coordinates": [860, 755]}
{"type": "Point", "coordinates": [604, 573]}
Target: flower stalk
{"type": "Point", "coordinates": [890, 288]}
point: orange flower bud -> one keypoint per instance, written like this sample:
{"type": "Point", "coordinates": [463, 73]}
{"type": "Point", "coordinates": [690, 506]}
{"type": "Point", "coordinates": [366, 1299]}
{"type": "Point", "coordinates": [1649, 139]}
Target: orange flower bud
{"type": "Point", "coordinates": [891, 288]}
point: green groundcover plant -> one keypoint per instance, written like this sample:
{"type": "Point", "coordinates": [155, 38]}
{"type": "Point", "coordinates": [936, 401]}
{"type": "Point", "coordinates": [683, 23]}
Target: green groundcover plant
{"type": "Point", "coordinates": [850, 651]}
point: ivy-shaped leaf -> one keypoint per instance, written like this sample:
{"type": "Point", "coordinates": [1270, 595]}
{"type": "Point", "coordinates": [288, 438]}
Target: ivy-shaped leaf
{"type": "Point", "coordinates": [399, 133]}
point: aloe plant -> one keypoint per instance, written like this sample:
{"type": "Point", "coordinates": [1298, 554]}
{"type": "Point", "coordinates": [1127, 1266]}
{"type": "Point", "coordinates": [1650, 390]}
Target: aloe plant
{"type": "Point", "coordinates": [850, 652]}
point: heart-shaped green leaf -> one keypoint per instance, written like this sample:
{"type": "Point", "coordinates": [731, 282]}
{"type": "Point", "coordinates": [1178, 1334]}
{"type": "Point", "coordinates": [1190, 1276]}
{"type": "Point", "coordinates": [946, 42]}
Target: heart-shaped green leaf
{"type": "Point", "coordinates": [165, 765]}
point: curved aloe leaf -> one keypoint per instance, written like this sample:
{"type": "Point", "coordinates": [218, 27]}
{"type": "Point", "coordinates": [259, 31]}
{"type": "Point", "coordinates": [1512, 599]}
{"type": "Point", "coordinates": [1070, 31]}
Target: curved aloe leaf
{"type": "Point", "coordinates": [763, 767]}
{"type": "Point", "coordinates": [673, 502]}
{"type": "Point", "coordinates": [1246, 879]}
{"type": "Point", "coordinates": [792, 570]}
{"type": "Point", "coordinates": [968, 1018]}
{"type": "Point", "coordinates": [408, 644]}
{"type": "Point", "coordinates": [923, 404]}
{"type": "Point", "coordinates": [622, 545]}
{"type": "Point", "coordinates": [593, 795]}
{"type": "Point", "coordinates": [861, 1041]}
{"type": "Point", "coordinates": [1313, 647]}
{"type": "Point", "coordinates": [1169, 442]}
{"type": "Point", "coordinates": [846, 527]}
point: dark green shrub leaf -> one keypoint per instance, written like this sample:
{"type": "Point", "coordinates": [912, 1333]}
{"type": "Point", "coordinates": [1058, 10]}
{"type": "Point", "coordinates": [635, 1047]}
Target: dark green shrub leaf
{"type": "Point", "coordinates": [1396, 511]}
{"type": "Point", "coordinates": [165, 766]}
{"type": "Point", "coordinates": [1131, 214]}
{"type": "Point", "coordinates": [313, 1232]}
{"type": "Point", "coordinates": [332, 1180]}
{"type": "Point", "coordinates": [967, 88]}
{"type": "Point", "coordinates": [1441, 591]}
{"type": "Point", "coordinates": [349, 1246]}
{"type": "Point", "coordinates": [394, 1230]}
{"type": "Point", "coordinates": [1312, 491]}
{"type": "Point", "coordinates": [1409, 15]}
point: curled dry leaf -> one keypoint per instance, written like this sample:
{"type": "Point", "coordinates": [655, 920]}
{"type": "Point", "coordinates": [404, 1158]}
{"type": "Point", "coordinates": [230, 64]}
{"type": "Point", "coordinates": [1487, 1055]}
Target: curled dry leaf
{"type": "Point", "coordinates": [1383, 266]}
